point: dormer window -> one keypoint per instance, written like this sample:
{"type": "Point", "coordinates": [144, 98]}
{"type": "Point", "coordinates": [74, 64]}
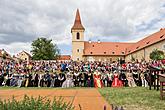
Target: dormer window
{"type": "Point", "coordinates": [93, 45]}
{"type": "Point", "coordinates": [137, 47]}
{"type": "Point", "coordinates": [78, 36]}
{"type": "Point", "coordinates": [104, 52]}
{"type": "Point", "coordinates": [113, 52]}
{"type": "Point", "coordinates": [91, 52]}
{"type": "Point", "coordinates": [161, 36]}
{"type": "Point", "coordinates": [148, 42]}
{"type": "Point", "coordinates": [122, 52]}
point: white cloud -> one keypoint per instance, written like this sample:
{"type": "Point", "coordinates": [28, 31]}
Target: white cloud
{"type": "Point", "coordinates": [16, 47]}
{"type": "Point", "coordinates": [23, 21]}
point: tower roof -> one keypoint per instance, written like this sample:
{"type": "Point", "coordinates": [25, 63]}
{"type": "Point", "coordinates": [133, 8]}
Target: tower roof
{"type": "Point", "coordinates": [77, 22]}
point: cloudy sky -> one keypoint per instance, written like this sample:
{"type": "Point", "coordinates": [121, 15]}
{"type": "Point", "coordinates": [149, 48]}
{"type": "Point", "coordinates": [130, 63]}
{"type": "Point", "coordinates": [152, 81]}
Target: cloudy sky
{"type": "Point", "coordinates": [22, 21]}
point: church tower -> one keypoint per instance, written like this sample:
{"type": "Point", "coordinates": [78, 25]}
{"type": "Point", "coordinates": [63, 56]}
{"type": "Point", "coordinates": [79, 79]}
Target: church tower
{"type": "Point", "coordinates": [77, 39]}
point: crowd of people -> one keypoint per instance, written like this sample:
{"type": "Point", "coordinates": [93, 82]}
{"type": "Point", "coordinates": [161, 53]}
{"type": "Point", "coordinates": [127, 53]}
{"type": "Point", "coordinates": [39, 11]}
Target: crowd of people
{"type": "Point", "coordinates": [76, 74]}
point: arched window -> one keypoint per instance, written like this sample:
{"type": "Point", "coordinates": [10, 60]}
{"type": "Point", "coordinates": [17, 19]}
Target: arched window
{"type": "Point", "coordinates": [78, 35]}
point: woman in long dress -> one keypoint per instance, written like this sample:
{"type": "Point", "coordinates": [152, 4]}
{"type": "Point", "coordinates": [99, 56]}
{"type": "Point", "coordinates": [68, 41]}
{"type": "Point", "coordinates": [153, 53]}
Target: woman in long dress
{"type": "Point", "coordinates": [131, 82]}
{"type": "Point", "coordinates": [97, 79]}
{"type": "Point", "coordinates": [68, 82]}
{"type": "Point", "coordinates": [116, 82]}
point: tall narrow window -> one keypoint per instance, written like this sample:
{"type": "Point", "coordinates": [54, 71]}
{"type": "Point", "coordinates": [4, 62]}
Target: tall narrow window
{"type": "Point", "coordinates": [78, 35]}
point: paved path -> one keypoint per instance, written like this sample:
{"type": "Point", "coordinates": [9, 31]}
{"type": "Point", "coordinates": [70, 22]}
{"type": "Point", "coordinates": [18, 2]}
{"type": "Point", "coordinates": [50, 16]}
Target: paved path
{"type": "Point", "coordinates": [87, 98]}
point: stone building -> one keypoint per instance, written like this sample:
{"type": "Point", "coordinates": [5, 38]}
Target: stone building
{"type": "Point", "coordinates": [112, 51]}
{"type": "Point", "coordinates": [24, 56]}
{"type": "Point", "coordinates": [6, 55]}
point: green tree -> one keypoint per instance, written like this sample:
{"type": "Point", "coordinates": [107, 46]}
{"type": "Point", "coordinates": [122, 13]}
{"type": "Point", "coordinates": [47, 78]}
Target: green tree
{"type": "Point", "coordinates": [157, 55]}
{"type": "Point", "coordinates": [44, 49]}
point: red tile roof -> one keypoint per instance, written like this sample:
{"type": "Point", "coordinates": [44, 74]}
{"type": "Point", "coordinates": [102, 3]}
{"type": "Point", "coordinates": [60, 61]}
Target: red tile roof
{"type": "Point", "coordinates": [64, 57]}
{"type": "Point", "coordinates": [105, 48]}
{"type": "Point", "coordinates": [147, 41]}
{"type": "Point", "coordinates": [118, 48]}
{"type": "Point", "coordinates": [77, 23]}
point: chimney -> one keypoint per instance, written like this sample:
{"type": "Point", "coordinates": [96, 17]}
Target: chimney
{"type": "Point", "coordinates": [98, 41]}
{"type": "Point", "coordinates": [90, 41]}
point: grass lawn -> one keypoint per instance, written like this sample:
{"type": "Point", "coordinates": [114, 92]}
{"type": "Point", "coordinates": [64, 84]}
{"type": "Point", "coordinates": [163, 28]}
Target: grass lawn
{"type": "Point", "coordinates": [137, 98]}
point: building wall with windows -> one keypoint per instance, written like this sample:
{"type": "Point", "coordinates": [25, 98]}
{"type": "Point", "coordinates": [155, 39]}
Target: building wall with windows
{"type": "Point", "coordinates": [24, 56]}
{"type": "Point", "coordinates": [77, 51]}
{"type": "Point", "coordinates": [113, 51]}
{"type": "Point", "coordinates": [145, 52]}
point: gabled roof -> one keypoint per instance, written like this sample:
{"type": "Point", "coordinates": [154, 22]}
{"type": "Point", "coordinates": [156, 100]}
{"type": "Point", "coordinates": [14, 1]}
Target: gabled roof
{"type": "Point", "coordinates": [25, 53]}
{"type": "Point", "coordinates": [147, 41]}
{"type": "Point", "coordinates": [8, 56]}
{"type": "Point", "coordinates": [105, 48]}
{"type": "Point", "coordinates": [77, 22]}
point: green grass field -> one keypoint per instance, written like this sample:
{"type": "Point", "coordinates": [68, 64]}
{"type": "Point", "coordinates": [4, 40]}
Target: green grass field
{"type": "Point", "coordinates": [138, 98]}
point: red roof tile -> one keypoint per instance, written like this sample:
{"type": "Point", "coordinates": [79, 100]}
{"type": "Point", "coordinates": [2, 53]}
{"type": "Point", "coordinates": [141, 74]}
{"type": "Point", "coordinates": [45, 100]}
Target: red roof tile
{"type": "Point", "coordinates": [105, 48]}
{"type": "Point", "coordinates": [151, 39]}
{"type": "Point", "coordinates": [64, 57]}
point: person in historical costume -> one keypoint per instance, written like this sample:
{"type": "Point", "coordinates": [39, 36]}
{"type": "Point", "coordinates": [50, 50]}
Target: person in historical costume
{"type": "Point", "coordinates": [143, 79]}
{"type": "Point", "coordinates": [97, 79]}
{"type": "Point", "coordinates": [36, 80]}
{"type": "Point", "coordinates": [116, 82]}
{"type": "Point", "coordinates": [1, 79]}
{"type": "Point", "coordinates": [41, 81]}
{"type": "Point", "coordinates": [76, 78]}
{"type": "Point", "coordinates": [123, 78]}
{"type": "Point", "coordinates": [85, 74]}
{"type": "Point", "coordinates": [131, 82]}
{"type": "Point", "coordinates": [90, 79]}
{"type": "Point", "coordinates": [110, 79]}
{"type": "Point", "coordinates": [57, 82]}
{"type": "Point", "coordinates": [81, 76]}
{"type": "Point", "coordinates": [8, 80]}
{"type": "Point", "coordinates": [68, 82]}
{"type": "Point", "coordinates": [61, 79]}
{"type": "Point", "coordinates": [104, 78]}
{"type": "Point", "coordinates": [47, 78]}
{"type": "Point", "coordinates": [14, 80]}
{"type": "Point", "coordinates": [26, 80]}
{"type": "Point", "coordinates": [20, 80]}
{"type": "Point", "coordinates": [136, 77]}
{"type": "Point", "coordinates": [6, 77]}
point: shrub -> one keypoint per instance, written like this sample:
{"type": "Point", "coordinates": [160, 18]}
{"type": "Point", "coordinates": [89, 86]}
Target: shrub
{"type": "Point", "coordinates": [157, 55]}
{"type": "Point", "coordinates": [40, 103]}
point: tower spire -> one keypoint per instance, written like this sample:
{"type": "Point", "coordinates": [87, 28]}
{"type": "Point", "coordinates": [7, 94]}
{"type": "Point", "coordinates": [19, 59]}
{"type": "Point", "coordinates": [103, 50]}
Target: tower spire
{"type": "Point", "coordinates": [77, 22]}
